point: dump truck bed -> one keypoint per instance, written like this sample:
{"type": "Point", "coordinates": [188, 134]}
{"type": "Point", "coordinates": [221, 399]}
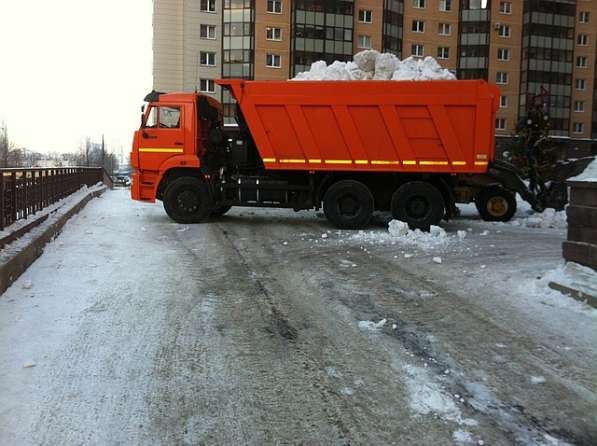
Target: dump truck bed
{"type": "Point", "coordinates": [401, 126]}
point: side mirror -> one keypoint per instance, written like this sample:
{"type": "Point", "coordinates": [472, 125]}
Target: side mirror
{"type": "Point", "coordinates": [143, 108]}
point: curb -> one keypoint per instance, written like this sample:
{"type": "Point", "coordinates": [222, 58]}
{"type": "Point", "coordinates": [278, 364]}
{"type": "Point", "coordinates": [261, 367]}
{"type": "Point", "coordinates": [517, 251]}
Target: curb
{"type": "Point", "coordinates": [12, 269]}
{"type": "Point", "coordinates": [579, 295]}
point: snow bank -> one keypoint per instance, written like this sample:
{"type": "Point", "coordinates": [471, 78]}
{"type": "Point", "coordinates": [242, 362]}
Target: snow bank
{"type": "Point", "coordinates": [574, 276]}
{"type": "Point", "coordinates": [571, 275]}
{"type": "Point", "coordinates": [589, 174]}
{"type": "Point", "coordinates": [549, 218]}
{"type": "Point", "coordinates": [373, 65]}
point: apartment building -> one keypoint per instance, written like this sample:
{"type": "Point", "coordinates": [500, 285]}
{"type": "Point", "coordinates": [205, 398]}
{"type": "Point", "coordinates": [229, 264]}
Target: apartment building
{"type": "Point", "coordinates": [527, 47]}
{"type": "Point", "coordinates": [187, 45]}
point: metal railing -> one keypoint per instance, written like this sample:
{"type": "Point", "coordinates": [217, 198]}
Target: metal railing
{"type": "Point", "coordinates": [23, 192]}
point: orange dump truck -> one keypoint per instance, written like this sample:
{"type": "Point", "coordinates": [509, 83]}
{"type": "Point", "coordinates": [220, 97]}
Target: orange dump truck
{"type": "Point", "coordinates": [352, 147]}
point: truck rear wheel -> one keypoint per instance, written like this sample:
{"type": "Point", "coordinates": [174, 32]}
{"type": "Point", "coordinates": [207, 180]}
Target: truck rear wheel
{"type": "Point", "coordinates": [419, 204]}
{"type": "Point", "coordinates": [348, 204]}
{"type": "Point", "coordinates": [187, 200]}
{"type": "Point", "coordinates": [495, 203]}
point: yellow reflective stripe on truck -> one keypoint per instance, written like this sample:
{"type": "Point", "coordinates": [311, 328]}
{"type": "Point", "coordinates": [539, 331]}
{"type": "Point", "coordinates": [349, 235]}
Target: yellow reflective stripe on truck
{"type": "Point", "coordinates": [160, 150]}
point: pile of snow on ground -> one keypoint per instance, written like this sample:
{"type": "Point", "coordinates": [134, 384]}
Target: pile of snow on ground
{"type": "Point", "coordinates": [549, 218]}
{"type": "Point", "coordinates": [589, 174]}
{"type": "Point", "coordinates": [372, 326]}
{"type": "Point", "coordinates": [398, 231]}
{"type": "Point", "coordinates": [373, 65]}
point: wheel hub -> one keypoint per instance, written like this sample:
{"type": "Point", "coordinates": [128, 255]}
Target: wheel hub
{"type": "Point", "coordinates": [348, 206]}
{"type": "Point", "coordinates": [497, 206]}
{"type": "Point", "coordinates": [188, 201]}
{"type": "Point", "coordinates": [417, 207]}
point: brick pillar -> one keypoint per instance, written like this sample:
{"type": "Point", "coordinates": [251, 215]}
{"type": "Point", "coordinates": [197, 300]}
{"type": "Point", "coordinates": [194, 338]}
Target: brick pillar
{"type": "Point", "coordinates": [581, 246]}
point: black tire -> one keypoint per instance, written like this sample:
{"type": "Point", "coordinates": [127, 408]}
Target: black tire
{"type": "Point", "coordinates": [348, 204]}
{"type": "Point", "coordinates": [419, 204]}
{"type": "Point", "coordinates": [219, 211]}
{"type": "Point", "coordinates": [495, 203]}
{"type": "Point", "coordinates": [187, 200]}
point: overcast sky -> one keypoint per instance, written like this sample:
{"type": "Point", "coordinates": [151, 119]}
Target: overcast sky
{"type": "Point", "coordinates": [73, 68]}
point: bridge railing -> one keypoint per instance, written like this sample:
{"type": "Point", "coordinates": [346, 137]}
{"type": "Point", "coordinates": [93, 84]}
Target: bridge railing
{"type": "Point", "coordinates": [23, 192]}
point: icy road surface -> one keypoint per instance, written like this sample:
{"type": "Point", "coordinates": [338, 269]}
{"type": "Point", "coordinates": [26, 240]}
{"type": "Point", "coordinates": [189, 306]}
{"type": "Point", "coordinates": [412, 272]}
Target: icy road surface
{"type": "Point", "coordinates": [269, 327]}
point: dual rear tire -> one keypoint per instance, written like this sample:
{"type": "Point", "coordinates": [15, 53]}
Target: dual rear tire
{"type": "Point", "coordinates": [349, 204]}
{"type": "Point", "coordinates": [419, 204]}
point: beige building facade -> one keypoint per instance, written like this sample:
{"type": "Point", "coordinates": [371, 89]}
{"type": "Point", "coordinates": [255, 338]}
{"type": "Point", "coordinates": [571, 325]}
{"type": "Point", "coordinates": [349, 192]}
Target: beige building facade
{"type": "Point", "coordinates": [187, 45]}
{"type": "Point", "coordinates": [525, 47]}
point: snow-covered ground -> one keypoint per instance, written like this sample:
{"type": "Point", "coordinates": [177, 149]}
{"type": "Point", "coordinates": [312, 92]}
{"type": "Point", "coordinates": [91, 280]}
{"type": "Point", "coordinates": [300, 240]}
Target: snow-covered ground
{"type": "Point", "coordinates": [64, 202]}
{"type": "Point", "coordinates": [269, 326]}
{"type": "Point", "coordinates": [589, 174]}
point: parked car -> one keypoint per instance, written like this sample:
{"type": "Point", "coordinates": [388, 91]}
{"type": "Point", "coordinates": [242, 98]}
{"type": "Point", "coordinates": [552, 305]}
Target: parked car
{"type": "Point", "coordinates": [121, 180]}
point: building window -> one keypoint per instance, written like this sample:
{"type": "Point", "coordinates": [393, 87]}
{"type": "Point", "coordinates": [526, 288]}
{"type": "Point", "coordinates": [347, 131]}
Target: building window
{"type": "Point", "coordinates": [582, 62]}
{"type": "Point", "coordinates": [207, 86]}
{"type": "Point", "coordinates": [580, 84]}
{"type": "Point", "coordinates": [418, 50]}
{"type": "Point", "coordinates": [503, 101]}
{"type": "Point", "coordinates": [504, 31]}
{"type": "Point", "coordinates": [365, 16]}
{"type": "Point", "coordinates": [582, 40]}
{"type": "Point", "coordinates": [443, 52]}
{"type": "Point", "coordinates": [505, 7]}
{"type": "Point", "coordinates": [501, 78]}
{"type": "Point", "coordinates": [365, 42]}
{"type": "Point", "coordinates": [445, 29]}
{"type": "Point", "coordinates": [579, 106]}
{"type": "Point", "coordinates": [419, 3]}
{"type": "Point", "coordinates": [274, 6]}
{"type": "Point", "coordinates": [583, 16]}
{"type": "Point", "coordinates": [500, 124]}
{"type": "Point", "coordinates": [579, 127]}
{"type": "Point", "coordinates": [445, 5]}
{"type": "Point", "coordinates": [208, 6]}
{"type": "Point", "coordinates": [503, 54]}
{"type": "Point", "coordinates": [418, 26]}
{"type": "Point", "coordinates": [273, 61]}
{"type": "Point", "coordinates": [207, 32]}
{"type": "Point", "coordinates": [273, 33]}
{"type": "Point", "coordinates": [207, 58]}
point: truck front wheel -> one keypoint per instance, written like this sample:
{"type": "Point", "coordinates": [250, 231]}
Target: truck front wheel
{"type": "Point", "coordinates": [419, 204]}
{"type": "Point", "coordinates": [348, 204]}
{"type": "Point", "coordinates": [495, 203]}
{"type": "Point", "coordinates": [187, 200]}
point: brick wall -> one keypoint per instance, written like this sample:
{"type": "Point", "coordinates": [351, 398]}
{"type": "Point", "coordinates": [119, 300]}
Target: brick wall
{"type": "Point", "coordinates": [581, 246]}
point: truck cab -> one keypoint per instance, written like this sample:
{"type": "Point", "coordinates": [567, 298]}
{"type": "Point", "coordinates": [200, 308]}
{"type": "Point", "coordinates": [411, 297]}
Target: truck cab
{"type": "Point", "coordinates": [172, 136]}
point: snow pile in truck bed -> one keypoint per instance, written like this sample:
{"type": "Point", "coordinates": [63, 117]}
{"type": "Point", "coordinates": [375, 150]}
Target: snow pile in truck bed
{"type": "Point", "coordinates": [589, 174]}
{"type": "Point", "coordinates": [373, 65]}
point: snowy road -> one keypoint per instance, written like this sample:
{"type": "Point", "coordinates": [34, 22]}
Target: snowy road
{"type": "Point", "coordinates": [254, 330]}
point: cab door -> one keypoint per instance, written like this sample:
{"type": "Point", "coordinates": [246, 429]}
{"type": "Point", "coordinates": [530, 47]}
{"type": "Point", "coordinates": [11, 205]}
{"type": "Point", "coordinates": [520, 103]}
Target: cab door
{"type": "Point", "coordinates": [162, 135]}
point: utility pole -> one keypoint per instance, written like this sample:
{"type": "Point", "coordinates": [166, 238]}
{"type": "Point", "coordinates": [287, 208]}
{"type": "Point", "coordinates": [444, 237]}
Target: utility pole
{"type": "Point", "coordinates": [103, 153]}
{"type": "Point", "coordinates": [3, 145]}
